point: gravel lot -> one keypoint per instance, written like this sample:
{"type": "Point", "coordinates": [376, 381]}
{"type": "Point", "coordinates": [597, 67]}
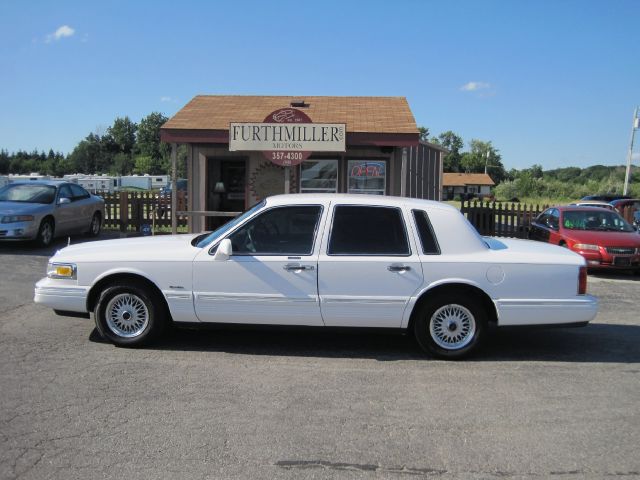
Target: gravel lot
{"type": "Point", "coordinates": [560, 403]}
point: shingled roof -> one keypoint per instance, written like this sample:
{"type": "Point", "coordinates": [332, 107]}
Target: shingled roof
{"type": "Point", "coordinates": [462, 179]}
{"type": "Point", "coordinates": [360, 114]}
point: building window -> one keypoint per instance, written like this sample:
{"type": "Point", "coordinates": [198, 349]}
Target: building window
{"type": "Point", "coordinates": [367, 176]}
{"type": "Point", "coordinates": [319, 176]}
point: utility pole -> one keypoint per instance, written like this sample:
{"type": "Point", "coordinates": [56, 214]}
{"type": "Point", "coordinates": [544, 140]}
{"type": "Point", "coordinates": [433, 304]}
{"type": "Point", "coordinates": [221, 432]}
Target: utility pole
{"type": "Point", "coordinates": [635, 125]}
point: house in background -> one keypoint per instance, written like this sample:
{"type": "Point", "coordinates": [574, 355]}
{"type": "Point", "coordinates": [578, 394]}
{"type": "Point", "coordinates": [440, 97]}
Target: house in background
{"type": "Point", "coordinates": [466, 185]}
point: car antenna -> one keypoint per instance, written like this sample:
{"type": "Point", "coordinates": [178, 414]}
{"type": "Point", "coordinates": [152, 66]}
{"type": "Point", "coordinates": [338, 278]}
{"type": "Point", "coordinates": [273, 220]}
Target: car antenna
{"type": "Point", "coordinates": [68, 241]}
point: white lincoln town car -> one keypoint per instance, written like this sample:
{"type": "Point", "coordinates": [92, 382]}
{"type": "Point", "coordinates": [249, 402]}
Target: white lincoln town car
{"type": "Point", "coordinates": [324, 260]}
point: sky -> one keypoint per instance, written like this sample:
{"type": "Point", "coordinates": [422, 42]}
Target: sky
{"type": "Point", "coordinates": [553, 83]}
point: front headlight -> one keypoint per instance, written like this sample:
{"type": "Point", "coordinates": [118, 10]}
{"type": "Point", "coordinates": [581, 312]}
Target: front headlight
{"type": "Point", "coordinates": [17, 218]}
{"type": "Point", "coordinates": [61, 270]}
{"type": "Point", "coordinates": [586, 246]}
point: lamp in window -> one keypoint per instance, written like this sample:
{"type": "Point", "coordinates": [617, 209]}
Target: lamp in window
{"type": "Point", "coordinates": [219, 190]}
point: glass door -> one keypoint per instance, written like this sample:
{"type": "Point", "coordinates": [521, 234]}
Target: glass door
{"type": "Point", "coordinates": [319, 176]}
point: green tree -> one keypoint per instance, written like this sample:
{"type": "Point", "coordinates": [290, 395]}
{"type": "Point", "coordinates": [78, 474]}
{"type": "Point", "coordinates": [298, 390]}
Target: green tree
{"type": "Point", "coordinates": [483, 154]}
{"type": "Point", "coordinates": [453, 143]}
{"type": "Point", "coordinates": [123, 134]}
{"type": "Point", "coordinates": [122, 164]}
{"type": "Point", "coordinates": [148, 139]}
{"type": "Point", "coordinates": [424, 133]}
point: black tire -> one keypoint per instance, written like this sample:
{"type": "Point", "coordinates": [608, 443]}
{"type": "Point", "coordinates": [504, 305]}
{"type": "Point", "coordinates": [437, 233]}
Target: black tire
{"type": "Point", "coordinates": [146, 320]}
{"type": "Point", "coordinates": [95, 226]}
{"type": "Point", "coordinates": [465, 318]}
{"type": "Point", "coordinates": [46, 232]}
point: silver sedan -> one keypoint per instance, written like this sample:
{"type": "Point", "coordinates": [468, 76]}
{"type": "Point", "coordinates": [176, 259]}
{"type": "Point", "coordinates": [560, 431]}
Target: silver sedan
{"type": "Point", "coordinates": [43, 210]}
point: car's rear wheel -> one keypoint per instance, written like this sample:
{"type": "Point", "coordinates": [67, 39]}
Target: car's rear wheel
{"type": "Point", "coordinates": [45, 232]}
{"type": "Point", "coordinates": [95, 225]}
{"type": "Point", "coordinates": [129, 315]}
{"type": "Point", "coordinates": [450, 326]}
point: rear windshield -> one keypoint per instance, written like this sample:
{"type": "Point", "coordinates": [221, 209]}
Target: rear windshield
{"type": "Point", "coordinates": [28, 193]}
{"type": "Point", "coordinates": [592, 220]}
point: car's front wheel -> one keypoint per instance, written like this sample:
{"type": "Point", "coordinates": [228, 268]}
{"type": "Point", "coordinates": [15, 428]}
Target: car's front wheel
{"type": "Point", "coordinates": [95, 225]}
{"type": "Point", "coordinates": [450, 326]}
{"type": "Point", "coordinates": [129, 315]}
{"type": "Point", "coordinates": [45, 232]}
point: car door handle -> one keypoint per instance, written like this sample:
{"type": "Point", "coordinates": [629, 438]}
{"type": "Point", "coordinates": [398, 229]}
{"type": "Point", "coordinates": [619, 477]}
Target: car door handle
{"type": "Point", "coordinates": [398, 268]}
{"type": "Point", "coordinates": [296, 267]}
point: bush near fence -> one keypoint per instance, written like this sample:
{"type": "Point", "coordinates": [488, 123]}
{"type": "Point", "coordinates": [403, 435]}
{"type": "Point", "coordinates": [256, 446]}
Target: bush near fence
{"type": "Point", "coordinates": [510, 219]}
{"type": "Point", "coordinates": [128, 211]}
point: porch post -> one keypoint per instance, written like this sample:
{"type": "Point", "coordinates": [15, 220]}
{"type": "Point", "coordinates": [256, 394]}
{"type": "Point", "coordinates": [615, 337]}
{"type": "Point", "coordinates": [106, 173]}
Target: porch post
{"type": "Point", "coordinates": [174, 189]}
{"type": "Point", "coordinates": [403, 173]}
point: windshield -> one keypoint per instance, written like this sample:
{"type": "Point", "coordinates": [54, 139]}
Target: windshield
{"type": "Point", "coordinates": [601, 221]}
{"type": "Point", "coordinates": [28, 193]}
{"type": "Point", "coordinates": [216, 234]}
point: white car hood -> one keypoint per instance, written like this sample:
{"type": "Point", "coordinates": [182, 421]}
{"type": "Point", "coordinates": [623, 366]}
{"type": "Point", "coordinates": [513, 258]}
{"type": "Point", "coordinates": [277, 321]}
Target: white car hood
{"type": "Point", "coordinates": [22, 208]}
{"type": "Point", "coordinates": [139, 249]}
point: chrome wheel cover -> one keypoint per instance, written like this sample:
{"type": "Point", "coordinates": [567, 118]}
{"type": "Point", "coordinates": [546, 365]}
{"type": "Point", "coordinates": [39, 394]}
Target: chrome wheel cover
{"type": "Point", "coordinates": [127, 316]}
{"type": "Point", "coordinates": [452, 327]}
{"type": "Point", "coordinates": [95, 225]}
{"type": "Point", "coordinates": [46, 233]}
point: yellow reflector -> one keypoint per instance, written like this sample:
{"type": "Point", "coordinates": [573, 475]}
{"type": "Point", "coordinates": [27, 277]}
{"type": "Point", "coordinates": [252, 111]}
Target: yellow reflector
{"type": "Point", "coordinates": [64, 271]}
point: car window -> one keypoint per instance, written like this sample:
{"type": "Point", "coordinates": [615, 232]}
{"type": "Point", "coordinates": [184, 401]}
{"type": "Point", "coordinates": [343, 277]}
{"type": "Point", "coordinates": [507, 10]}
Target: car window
{"type": "Point", "coordinates": [27, 193]}
{"type": "Point", "coordinates": [368, 230]}
{"type": "Point", "coordinates": [278, 231]}
{"type": "Point", "coordinates": [554, 218]}
{"type": "Point", "coordinates": [593, 220]}
{"type": "Point", "coordinates": [65, 192]}
{"type": "Point", "coordinates": [426, 233]}
{"type": "Point", "coordinates": [543, 217]}
{"type": "Point", "coordinates": [78, 192]}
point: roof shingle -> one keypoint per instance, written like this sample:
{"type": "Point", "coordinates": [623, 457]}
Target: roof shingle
{"type": "Point", "coordinates": [360, 114]}
{"type": "Point", "coordinates": [462, 179]}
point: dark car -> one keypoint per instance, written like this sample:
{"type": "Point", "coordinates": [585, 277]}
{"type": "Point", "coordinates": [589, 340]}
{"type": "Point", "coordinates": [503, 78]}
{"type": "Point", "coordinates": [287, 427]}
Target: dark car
{"type": "Point", "coordinates": [625, 203]}
{"type": "Point", "coordinates": [605, 197]}
{"type": "Point", "coordinates": [602, 237]}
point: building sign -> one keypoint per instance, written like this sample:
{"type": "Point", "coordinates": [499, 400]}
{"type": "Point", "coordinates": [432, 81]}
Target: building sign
{"type": "Point", "coordinates": [287, 137]}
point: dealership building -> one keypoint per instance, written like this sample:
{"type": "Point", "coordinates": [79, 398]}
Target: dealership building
{"type": "Point", "coordinates": [241, 149]}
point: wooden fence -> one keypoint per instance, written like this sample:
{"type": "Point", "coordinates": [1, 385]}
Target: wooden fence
{"type": "Point", "coordinates": [128, 211]}
{"type": "Point", "coordinates": [501, 219]}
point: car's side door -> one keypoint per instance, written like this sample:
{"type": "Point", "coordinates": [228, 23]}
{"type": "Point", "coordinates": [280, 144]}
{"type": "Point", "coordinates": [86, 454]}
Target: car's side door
{"type": "Point", "coordinates": [64, 212]}
{"type": "Point", "coordinates": [272, 274]}
{"type": "Point", "coordinates": [82, 207]}
{"type": "Point", "coordinates": [540, 227]}
{"type": "Point", "coordinates": [554, 226]}
{"type": "Point", "coordinates": [368, 267]}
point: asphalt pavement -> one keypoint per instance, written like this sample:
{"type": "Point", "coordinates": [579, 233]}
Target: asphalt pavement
{"type": "Point", "coordinates": [560, 403]}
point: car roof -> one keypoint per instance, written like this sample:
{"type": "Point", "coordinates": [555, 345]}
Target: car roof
{"type": "Point", "coordinates": [624, 200]}
{"type": "Point", "coordinates": [385, 200]}
{"type": "Point", "coordinates": [589, 202]}
{"type": "Point", "coordinates": [580, 208]}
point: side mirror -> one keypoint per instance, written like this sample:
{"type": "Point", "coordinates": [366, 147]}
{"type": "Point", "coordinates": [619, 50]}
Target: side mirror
{"type": "Point", "coordinates": [224, 251]}
{"type": "Point", "coordinates": [64, 201]}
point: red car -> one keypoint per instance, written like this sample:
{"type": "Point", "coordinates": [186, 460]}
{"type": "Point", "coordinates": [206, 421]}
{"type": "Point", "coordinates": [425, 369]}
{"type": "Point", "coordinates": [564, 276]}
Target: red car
{"type": "Point", "coordinates": [601, 236]}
